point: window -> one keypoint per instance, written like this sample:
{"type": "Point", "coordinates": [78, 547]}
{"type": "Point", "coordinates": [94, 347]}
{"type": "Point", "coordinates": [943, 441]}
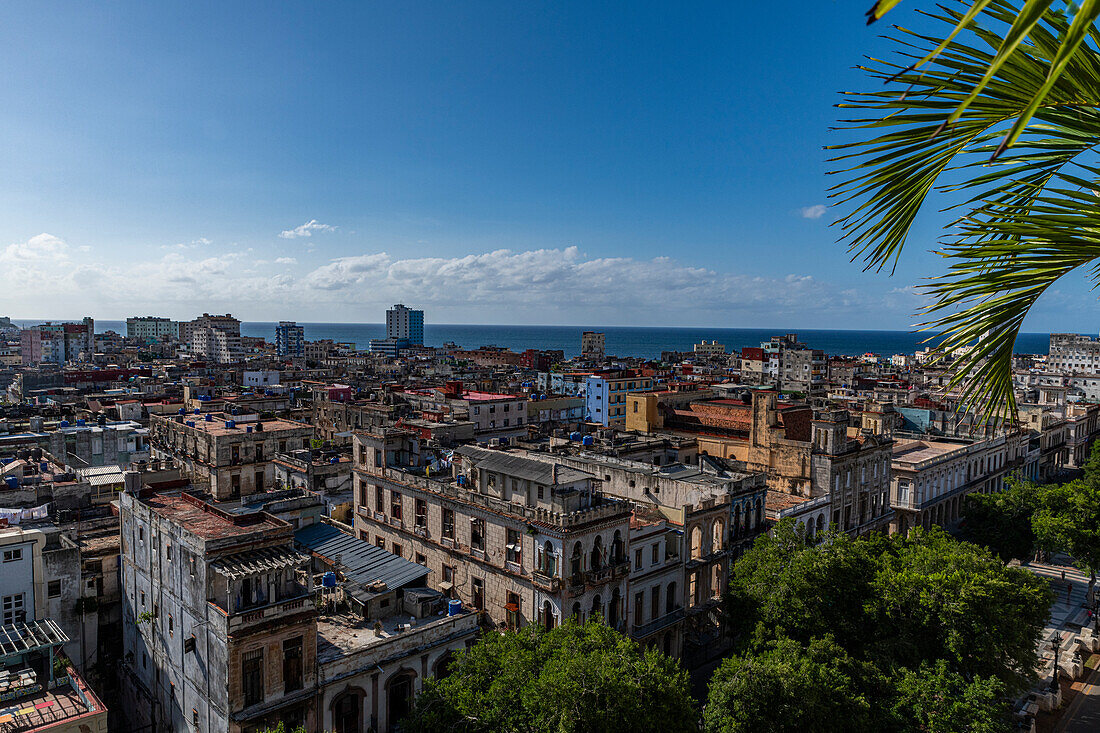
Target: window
{"type": "Point", "coordinates": [141, 534]}
{"type": "Point", "coordinates": [479, 594]}
{"type": "Point", "coordinates": [477, 533]}
{"type": "Point", "coordinates": [143, 599]}
{"type": "Point", "coordinates": [656, 552]}
{"type": "Point", "coordinates": [252, 676]}
{"type": "Point", "coordinates": [292, 664]}
{"type": "Point", "coordinates": [421, 560]}
{"type": "Point", "coordinates": [53, 589]}
{"type": "Point", "coordinates": [363, 495]}
{"type": "Point", "coordinates": [259, 481]}
{"type": "Point", "coordinates": [421, 513]}
{"type": "Point", "coordinates": [449, 523]}
{"type": "Point", "coordinates": [448, 574]}
{"type": "Point", "coordinates": [168, 551]}
{"type": "Point", "coordinates": [639, 601]}
{"type": "Point", "coordinates": [654, 602]}
{"type": "Point", "coordinates": [513, 549]}
{"type": "Point", "coordinates": [541, 490]}
{"type": "Point", "coordinates": [398, 550]}
{"type": "Point", "coordinates": [380, 542]}
{"type": "Point", "coordinates": [638, 559]}
{"type": "Point", "coordinates": [14, 610]}
{"type": "Point", "coordinates": [395, 505]}
{"type": "Point", "coordinates": [379, 499]}
{"type": "Point", "coordinates": [171, 625]}
{"type": "Point", "coordinates": [13, 555]}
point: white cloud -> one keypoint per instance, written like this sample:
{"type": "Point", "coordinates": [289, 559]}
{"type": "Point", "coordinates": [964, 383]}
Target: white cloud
{"type": "Point", "coordinates": [306, 230]}
{"type": "Point", "coordinates": [813, 212]}
{"type": "Point", "coordinates": [39, 247]}
{"type": "Point", "coordinates": [285, 261]}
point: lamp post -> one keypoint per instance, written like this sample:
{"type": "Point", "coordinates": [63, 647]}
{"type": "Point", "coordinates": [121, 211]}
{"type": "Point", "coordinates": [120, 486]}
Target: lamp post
{"type": "Point", "coordinates": [1096, 613]}
{"type": "Point", "coordinates": [1056, 644]}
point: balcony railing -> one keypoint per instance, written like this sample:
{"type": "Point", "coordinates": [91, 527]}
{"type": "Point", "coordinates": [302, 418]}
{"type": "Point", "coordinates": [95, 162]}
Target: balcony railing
{"type": "Point", "coordinates": [545, 582]}
{"type": "Point", "coordinates": [270, 612]}
{"type": "Point", "coordinates": [662, 622]}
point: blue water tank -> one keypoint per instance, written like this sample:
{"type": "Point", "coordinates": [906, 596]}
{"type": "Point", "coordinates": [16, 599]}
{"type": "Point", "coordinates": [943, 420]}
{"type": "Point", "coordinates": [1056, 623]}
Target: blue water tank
{"type": "Point", "coordinates": [504, 441]}
{"type": "Point", "coordinates": [209, 417]}
{"type": "Point", "coordinates": [190, 423]}
{"type": "Point", "coordinates": [454, 607]}
{"type": "Point", "coordinates": [328, 580]}
{"type": "Point", "coordinates": [198, 411]}
{"type": "Point", "coordinates": [334, 460]}
{"type": "Point", "coordinates": [43, 466]}
{"type": "Point", "coordinates": [248, 429]}
{"type": "Point", "coordinates": [12, 482]}
{"type": "Point", "coordinates": [575, 435]}
{"type": "Point", "coordinates": [461, 480]}
{"type": "Point", "coordinates": [63, 424]}
{"type": "Point", "coordinates": [588, 440]}
{"type": "Point", "coordinates": [182, 411]}
{"type": "Point", "coordinates": [80, 423]}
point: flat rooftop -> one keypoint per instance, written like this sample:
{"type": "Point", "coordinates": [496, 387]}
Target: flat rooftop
{"type": "Point", "coordinates": [343, 634]}
{"type": "Point", "coordinates": [216, 426]}
{"type": "Point", "coordinates": [204, 521]}
{"type": "Point", "coordinates": [916, 451]}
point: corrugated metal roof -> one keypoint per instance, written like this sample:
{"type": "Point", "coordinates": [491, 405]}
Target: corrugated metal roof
{"type": "Point", "coordinates": [360, 561]}
{"type": "Point", "coordinates": [541, 472]}
{"type": "Point", "coordinates": [102, 475]}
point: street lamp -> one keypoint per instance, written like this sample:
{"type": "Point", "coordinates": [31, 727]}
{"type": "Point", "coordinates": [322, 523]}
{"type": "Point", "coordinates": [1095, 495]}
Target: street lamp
{"type": "Point", "coordinates": [1056, 644]}
{"type": "Point", "coordinates": [1096, 613]}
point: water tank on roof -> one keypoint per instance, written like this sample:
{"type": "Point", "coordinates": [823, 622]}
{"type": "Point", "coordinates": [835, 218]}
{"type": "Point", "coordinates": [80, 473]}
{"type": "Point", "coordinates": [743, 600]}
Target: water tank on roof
{"type": "Point", "coordinates": [588, 440]}
{"type": "Point", "coordinates": [190, 423]}
{"type": "Point", "coordinates": [248, 429]}
{"type": "Point", "coordinates": [328, 580]}
{"type": "Point", "coordinates": [12, 482]}
{"type": "Point", "coordinates": [80, 423]}
{"type": "Point", "coordinates": [461, 480]}
{"type": "Point", "coordinates": [575, 435]}
{"type": "Point", "coordinates": [43, 467]}
{"type": "Point", "coordinates": [198, 411]}
{"type": "Point", "coordinates": [182, 411]}
{"type": "Point", "coordinates": [454, 607]}
{"type": "Point", "coordinates": [63, 424]}
{"type": "Point", "coordinates": [334, 461]}
{"type": "Point", "coordinates": [229, 423]}
{"type": "Point", "coordinates": [209, 417]}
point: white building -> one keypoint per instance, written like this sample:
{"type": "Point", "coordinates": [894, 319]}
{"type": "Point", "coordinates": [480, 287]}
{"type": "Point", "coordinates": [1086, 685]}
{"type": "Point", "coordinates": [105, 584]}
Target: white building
{"type": "Point", "coordinates": [151, 328]}
{"type": "Point", "coordinates": [709, 348]}
{"type": "Point", "coordinates": [405, 324]}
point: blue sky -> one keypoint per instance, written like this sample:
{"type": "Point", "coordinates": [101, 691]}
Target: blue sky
{"type": "Point", "coordinates": [565, 162]}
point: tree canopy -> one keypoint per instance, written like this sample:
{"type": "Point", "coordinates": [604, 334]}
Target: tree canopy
{"type": "Point", "coordinates": [572, 678]}
{"type": "Point", "coordinates": [878, 626]}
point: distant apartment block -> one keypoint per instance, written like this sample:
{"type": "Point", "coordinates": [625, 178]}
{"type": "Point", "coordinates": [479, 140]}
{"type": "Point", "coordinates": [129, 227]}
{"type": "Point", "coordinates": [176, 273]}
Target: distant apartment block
{"type": "Point", "coordinates": [404, 328]}
{"type": "Point", "coordinates": [593, 345]}
{"type": "Point", "coordinates": [709, 348]}
{"type": "Point", "coordinates": [57, 343]}
{"type": "Point", "coordinates": [231, 453]}
{"type": "Point", "coordinates": [605, 394]}
{"type": "Point", "coordinates": [151, 328]}
{"type": "Point", "coordinates": [1072, 353]}
{"type": "Point", "coordinates": [289, 340]}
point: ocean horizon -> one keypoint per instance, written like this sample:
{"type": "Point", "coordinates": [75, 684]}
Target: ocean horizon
{"type": "Point", "coordinates": [638, 341]}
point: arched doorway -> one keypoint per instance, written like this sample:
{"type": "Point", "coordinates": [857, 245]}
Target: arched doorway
{"type": "Point", "coordinates": [696, 542]}
{"type": "Point", "coordinates": [400, 689]}
{"type": "Point", "coordinates": [613, 610]}
{"type": "Point", "coordinates": [547, 615]}
{"type": "Point", "coordinates": [718, 535]}
{"type": "Point", "coordinates": [596, 561]}
{"type": "Point", "coordinates": [346, 712]}
{"type": "Point", "coordinates": [443, 665]}
{"type": "Point", "coordinates": [617, 551]}
{"type": "Point", "coordinates": [597, 608]}
{"type": "Point", "coordinates": [575, 563]}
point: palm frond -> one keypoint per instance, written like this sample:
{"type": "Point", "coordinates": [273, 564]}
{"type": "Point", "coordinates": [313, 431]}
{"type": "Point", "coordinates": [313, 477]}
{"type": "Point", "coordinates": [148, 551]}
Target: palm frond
{"type": "Point", "coordinates": [1027, 214]}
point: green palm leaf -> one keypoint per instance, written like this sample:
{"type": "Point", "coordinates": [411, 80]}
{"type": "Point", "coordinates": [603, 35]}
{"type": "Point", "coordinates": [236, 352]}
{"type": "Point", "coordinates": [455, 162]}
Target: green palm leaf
{"type": "Point", "coordinates": [1026, 76]}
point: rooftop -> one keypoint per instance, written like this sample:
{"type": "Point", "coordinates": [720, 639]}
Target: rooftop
{"type": "Point", "coordinates": [361, 563]}
{"type": "Point", "coordinates": [217, 425]}
{"type": "Point", "coordinates": [541, 472]}
{"type": "Point", "coordinates": [205, 521]}
{"type": "Point", "coordinates": [342, 634]}
{"type": "Point", "coordinates": [916, 451]}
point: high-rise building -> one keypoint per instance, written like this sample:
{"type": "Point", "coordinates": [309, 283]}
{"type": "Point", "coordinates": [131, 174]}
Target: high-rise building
{"type": "Point", "coordinates": [150, 328]}
{"type": "Point", "coordinates": [404, 328]}
{"type": "Point", "coordinates": [593, 345]}
{"type": "Point", "coordinates": [289, 339]}
{"type": "Point", "coordinates": [57, 343]}
{"type": "Point", "coordinates": [217, 338]}
{"type": "Point", "coordinates": [405, 324]}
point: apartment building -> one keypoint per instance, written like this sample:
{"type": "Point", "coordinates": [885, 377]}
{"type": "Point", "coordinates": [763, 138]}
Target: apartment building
{"type": "Point", "coordinates": [57, 343]}
{"type": "Point", "coordinates": [151, 328]}
{"type": "Point", "coordinates": [220, 633]}
{"type": "Point", "coordinates": [214, 338]}
{"type": "Point", "coordinates": [404, 329]}
{"type": "Point", "coordinates": [231, 454]}
{"type": "Point", "coordinates": [593, 345]}
{"type": "Point", "coordinates": [930, 478]}
{"type": "Point", "coordinates": [1072, 353]}
{"type": "Point", "coordinates": [522, 540]}
{"type": "Point", "coordinates": [709, 349]}
{"type": "Point", "coordinates": [606, 394]}
{"type": "Point", "coordinates": [289, 340]}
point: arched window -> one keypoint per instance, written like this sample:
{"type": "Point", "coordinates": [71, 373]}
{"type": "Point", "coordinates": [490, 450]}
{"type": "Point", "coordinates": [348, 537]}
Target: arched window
{"type": "Point", "coordinates": [737, 521]}
{"type": "Point", "coordinates": [696, 542]}
{"type": "Point", "coordinates": [613, 609]}
{"type": "Point", "coordinates": [759, 512]}
{"type": "Point", "coordinates": [577, 611]}
{"type": "Point", "coordinates": [549, 566]}
{"type": "Point", "coordinates": [443, 665]}
{"type": "Point", "coordinates": [820, 523]}
{"type": "Point", "coordinates": [670, 598]}
{"type": "Point", "coordinates": [576, 563]}
{"type": "Point", "coordinates": [597, 554]}
{"type": "Point", "coordinates": [718, 535]}
{"type": "Point", "coordinates": [716, 581]}
{"type": "Point", "coordinates": [548, 620]}
{"type": "Point", "coordinates": [617, 551]}
{"type": "Point", "coordinates": [346, 710]}
{"type": "Point", "coordinates": [399, 696]}
{"type": "Point", "coordinates": [597, 608]}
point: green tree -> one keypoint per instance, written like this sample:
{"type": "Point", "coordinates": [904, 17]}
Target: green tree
{"type": "Point", "coordinates": [1022, 71]}
{"type": "Point", "coordinates": [788, 687]}
{"type": "Point", "coordinates": [1001, 521]}
{"type": "Point", "coordinates": [933, 699]}
{"type": "Point", "coordinates": [1068, 516]}
{"type": "Point", "coordinates": [572, 678]}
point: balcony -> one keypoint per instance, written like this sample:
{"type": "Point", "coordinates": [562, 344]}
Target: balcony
{"type": "Point", "coordinates": [641, 631]}
{"type": "Point", "coordinates": [546, 583]}
{"type": "Point", "coordinates": [598, 577]}
{"type": "Point", "coordinates": [300, 603]}
{"type": "Point", "coordinates": [575, 586]}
